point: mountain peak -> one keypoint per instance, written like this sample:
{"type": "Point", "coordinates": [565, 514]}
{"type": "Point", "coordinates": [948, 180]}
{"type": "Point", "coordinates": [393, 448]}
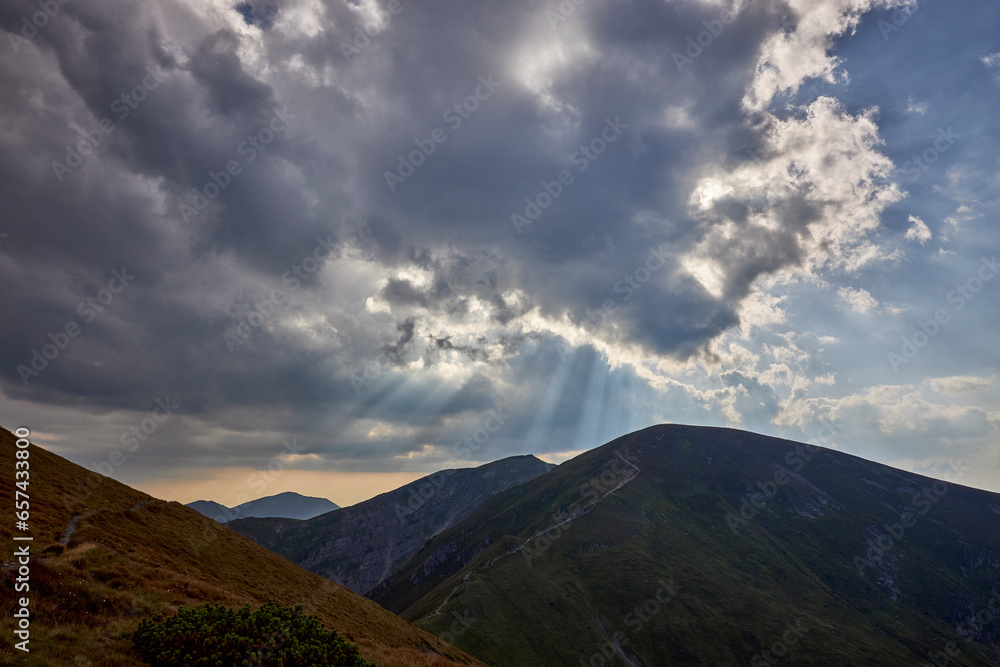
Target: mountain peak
{"type": "Point", "coordinates": [286, 505]}
{"type": "Point", "coordinates": [627, 547]}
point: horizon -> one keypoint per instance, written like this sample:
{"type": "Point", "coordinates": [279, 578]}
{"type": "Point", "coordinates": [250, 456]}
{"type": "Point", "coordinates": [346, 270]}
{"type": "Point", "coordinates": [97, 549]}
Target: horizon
{"type": "Point", "coordinates": [390, 481]}
{"type": "Point", "coordinates": [376, 489]}
{"type": "Point", "coordinates": [368, 486]}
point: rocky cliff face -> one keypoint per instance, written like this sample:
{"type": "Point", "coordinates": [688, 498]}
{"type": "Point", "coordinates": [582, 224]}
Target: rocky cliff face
{"type": "Point", "coordinates": [361, 545]}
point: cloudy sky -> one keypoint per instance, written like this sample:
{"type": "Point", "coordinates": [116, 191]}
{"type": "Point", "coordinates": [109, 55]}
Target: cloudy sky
{"type": "Point", "coordinates": [331, 246]}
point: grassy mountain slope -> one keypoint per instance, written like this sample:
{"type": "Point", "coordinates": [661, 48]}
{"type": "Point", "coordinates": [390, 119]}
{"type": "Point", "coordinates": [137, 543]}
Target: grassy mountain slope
{"type": "Point", "coordinates": [359, 546]}
{"type": "Point", "coordinates": [106, 555]}
{"type": "Point", "coordinates": [624, 555]}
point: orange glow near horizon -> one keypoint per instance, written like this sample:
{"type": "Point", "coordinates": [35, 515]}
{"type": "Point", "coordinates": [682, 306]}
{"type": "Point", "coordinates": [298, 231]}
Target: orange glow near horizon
{"type": "Point", "coordinates": [233, 486]}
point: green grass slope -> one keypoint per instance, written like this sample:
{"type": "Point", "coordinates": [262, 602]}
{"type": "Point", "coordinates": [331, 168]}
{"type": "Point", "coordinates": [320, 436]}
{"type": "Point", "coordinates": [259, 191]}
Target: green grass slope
{"type": "Point", "coordinates": [625, 556]}
{"type": "Point", "coordinates": [106, 556]}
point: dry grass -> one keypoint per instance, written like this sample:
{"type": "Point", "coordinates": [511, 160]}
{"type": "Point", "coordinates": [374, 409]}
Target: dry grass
{"type": "Point", "coordinates": [133, 555]}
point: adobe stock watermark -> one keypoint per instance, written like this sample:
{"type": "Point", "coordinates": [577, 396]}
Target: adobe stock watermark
{"type": "Point", "coordinates": [900, 16]}
{"type": "Point", "coordinates": [969, 629]}
{"type": "Point", "coordinates": [931, 327]}
{"type": "Point", "coordinates": [373, 369]}
{"type": "Point", "coordinates": [599, 250]}
{"type": "Point", "coordinates": [697, 44]}
{"type": "Point", "coordinates": [618, 472]}
{"type": "Point", "coordinates": [760, 155]}
{"type": "Point", "coordinates": [263, 478]}
{"type": "Point", "coordinates": [259, 480]}
{"type": "Point", "coordinates": [88, 309]}
{"type": "Point", "coordinates": [796, 459]}
{"type": "Point", "coordinates": [248, 325]}
{"type": "Point", "coordinates": [264, 310]}
{"type": "Point", "coordinates": [122, 106]}
{"type": "Point", "coordinates": [135, 435]}
{"type": "Point", "coordinates": [782, 647]}
{"type": "Point", "coordinates": [457, 628]}
{"type": "Point", "coordinates": [635, 620]}
{"type": "Point", "coordinates": [918, 164]}
{"type": "Point", "coordinates": [977, 622]}
{"type": "Point", "coordinates": [419, 495]}
{"type": "Point", "coordinates": [922, 502]}
{"type": "Point", "coordinates": [363, 35]}
{"type": "Point", "coordinates": [631, 283]}
{"type": "Point", "coordinates": [40, 19]}
{"type": "Point", "coordinates": [477, 438]}
{"type": "Point", "coordinates": [251, 147]}
{"type": "Point", "coordinates": [582, 158]}
{"type": "Point", "coordinates": [454, 116]}
{"type": "Point", "coordinates": [563, 11]}
{"type": "Point", "coordinates": [22, 513]}
{"type": "Point", "coordinates": [463, 448]}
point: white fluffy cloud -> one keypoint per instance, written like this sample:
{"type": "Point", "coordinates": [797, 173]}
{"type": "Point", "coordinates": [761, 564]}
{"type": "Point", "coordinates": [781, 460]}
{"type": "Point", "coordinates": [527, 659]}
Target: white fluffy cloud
{"type": "Point", "coordinates": [919, 232]}
{"type": "Point", "coordinates": [861, 301]}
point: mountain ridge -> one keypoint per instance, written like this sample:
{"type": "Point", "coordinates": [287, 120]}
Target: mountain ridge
{"type": "Point", "coordinates": [358, 546]}
{"type": "Point", "coordinates": [574, 554]}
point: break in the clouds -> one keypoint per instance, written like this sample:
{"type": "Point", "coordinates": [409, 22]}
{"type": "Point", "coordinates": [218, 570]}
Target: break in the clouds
{"type": "Point", "coordinates": [395, 236]}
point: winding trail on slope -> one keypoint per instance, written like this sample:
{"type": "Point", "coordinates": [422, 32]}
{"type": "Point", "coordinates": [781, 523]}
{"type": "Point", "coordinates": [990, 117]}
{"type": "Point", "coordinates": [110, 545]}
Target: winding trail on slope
{"type": "Point", "coordinates": [582, 511]}
{"type": "Point", "coordinates": [618, 647]}
{"type": "Point", "coordinates": [71, 528]}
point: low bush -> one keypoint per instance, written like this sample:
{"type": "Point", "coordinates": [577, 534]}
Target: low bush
{"type": "Point", "coordinates": [216, 636]}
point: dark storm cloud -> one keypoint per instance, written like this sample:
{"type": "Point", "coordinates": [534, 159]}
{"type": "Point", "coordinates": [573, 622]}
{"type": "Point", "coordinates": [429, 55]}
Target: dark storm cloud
{"type": "Point", "coordinates": [405, 330]}
{"type": "Point", "coordinates": [218, 70]}
{"type": "Point", "coordinates": [210, 102]}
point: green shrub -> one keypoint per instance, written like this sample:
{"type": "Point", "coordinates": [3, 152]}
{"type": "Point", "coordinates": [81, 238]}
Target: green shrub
{"type": "Point", "coordinates": [216, 636]}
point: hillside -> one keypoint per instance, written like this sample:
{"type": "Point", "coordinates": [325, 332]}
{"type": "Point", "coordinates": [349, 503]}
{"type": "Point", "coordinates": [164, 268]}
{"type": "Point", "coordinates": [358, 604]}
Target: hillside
{"type": "Point", "coordinates": [106, 555]}
{"type": "Point", "coordinates": [636, 553]}
{"type": "Point", "coordinates": [359, 546]}
{"type": "Point", "coordinates": [287, 505]}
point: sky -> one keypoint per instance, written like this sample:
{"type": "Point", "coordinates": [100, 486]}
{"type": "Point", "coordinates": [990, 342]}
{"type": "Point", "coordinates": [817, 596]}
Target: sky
{"type": "Point", "coordinates": [332, 246]}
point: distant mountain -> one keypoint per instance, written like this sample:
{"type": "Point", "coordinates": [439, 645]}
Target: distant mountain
{"type": "Point", "coordinates": [359, 546]}
{"type": "Point", "coordinates": [682, 545]}
{"type": "Point", "coordinates": [287, 505]}
{"type": "Point", "coordinates": [212, 510]}
{"type": "Point", "coordinates": [105, 556]}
